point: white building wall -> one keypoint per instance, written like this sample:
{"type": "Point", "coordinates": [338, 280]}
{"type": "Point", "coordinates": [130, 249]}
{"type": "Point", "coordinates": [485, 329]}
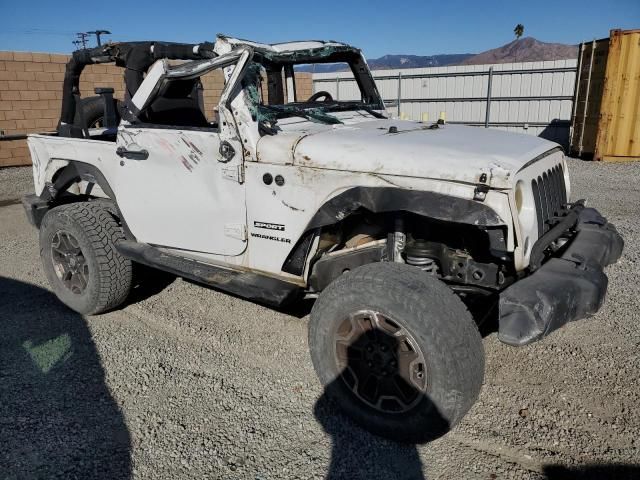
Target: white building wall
{"type": "Point", "coordinates": [527, 97]}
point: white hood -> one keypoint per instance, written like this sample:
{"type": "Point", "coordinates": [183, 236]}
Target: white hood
{"type": "Point", "coordinates": [450, 152]}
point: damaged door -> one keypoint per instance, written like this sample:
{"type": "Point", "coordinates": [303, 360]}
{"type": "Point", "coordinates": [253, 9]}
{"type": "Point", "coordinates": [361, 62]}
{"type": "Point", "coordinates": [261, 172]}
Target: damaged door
{"type": "Point", "coordinates": [183, 185]}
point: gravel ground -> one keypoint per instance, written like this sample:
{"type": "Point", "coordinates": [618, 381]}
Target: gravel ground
{"type": "Point", "coordinates": [15, 182]}
{"type": "Point", "coordinates": [187, 382]}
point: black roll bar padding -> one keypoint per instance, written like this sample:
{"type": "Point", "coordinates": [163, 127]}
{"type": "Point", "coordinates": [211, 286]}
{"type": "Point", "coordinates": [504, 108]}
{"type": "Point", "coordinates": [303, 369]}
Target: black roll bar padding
{"type": "Point", "coordinates": [136, 57]}
{"type": "Point", "coordinates": [182, 51]}
{"type": "Point", "coordinates": [71, 84]}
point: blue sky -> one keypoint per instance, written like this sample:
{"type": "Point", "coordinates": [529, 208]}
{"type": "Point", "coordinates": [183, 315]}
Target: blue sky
{"type": "Point", "coordinates": [378, 27]}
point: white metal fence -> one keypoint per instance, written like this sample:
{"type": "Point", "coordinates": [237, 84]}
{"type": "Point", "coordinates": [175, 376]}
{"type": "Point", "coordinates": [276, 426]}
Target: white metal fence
{"type": "Point", "coordinates": [527, 97]}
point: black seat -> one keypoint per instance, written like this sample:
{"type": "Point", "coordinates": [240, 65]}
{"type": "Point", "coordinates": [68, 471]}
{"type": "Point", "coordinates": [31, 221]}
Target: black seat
{"type": "Point", "coordinates": [178, 104]}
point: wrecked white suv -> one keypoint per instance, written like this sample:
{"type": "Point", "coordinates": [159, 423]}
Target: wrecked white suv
{"type": "Point", "coordinates": [399, 228]}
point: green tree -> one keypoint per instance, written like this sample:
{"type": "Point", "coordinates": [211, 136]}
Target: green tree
{"type": "Point", "coordinates": [519, 30]}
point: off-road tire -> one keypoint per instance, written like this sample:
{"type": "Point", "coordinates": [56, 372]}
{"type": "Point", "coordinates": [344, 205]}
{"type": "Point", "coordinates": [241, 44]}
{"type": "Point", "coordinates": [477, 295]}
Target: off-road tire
{"type": "Point", "coordinates": [439, 322]}
{"type": "Point", "coordinates": [93, 111]}
{"type": "Point", "coordinates": [96, 229]}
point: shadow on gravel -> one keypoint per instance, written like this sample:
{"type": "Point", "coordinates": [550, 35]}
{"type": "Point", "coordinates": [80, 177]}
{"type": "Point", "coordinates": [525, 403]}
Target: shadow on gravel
{"type": "Point", "coordinates": [57, 416]}
{"type": "Point", "coordinates": [484, 310]}
{"type": "Point", "coordinates": [147, 283]}
{"type": "Point", "coordinates": [613, 471]}
{"type": "Point", "coordinates": [376, 374]}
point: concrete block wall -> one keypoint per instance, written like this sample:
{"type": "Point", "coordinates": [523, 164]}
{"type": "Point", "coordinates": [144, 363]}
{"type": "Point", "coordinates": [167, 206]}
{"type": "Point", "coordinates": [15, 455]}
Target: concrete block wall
{"type": "Point", "coordinates": [31, 95]}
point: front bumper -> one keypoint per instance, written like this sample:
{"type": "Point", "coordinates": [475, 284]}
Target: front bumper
{"type": "Point", "coordinates": [565, 288]}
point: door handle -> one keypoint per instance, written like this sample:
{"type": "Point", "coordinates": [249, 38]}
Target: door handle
{"type": "Point", "coordinates": [132, 154]}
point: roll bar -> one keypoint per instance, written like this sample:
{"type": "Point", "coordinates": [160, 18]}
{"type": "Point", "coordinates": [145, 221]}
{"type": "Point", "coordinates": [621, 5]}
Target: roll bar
{"type": "Point", "coordinates": [134, 57]}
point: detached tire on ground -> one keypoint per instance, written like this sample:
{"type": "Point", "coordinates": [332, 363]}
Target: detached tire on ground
{"type": "Point", "coordinates": [397, 350]}
{"type": "Point", "coordinates": [77, 247]}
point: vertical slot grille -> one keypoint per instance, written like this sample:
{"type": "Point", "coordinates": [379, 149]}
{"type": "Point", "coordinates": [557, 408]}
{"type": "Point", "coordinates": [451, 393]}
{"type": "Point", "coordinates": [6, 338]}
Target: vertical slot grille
{"type": "Point", "coordinates": [549, 194]}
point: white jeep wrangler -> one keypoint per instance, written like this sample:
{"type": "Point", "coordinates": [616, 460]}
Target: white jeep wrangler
{"type": "Point", "coordinates": [399, 228]}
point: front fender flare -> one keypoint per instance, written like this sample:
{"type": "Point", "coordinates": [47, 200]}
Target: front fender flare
{"type": "Point", "coordinates": [434, 205]}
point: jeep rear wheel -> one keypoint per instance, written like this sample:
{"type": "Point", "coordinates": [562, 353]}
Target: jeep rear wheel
{"type": "Point", "coordinates": [397, 350]}
{"type": "Point", "coordinates": [77, 247]}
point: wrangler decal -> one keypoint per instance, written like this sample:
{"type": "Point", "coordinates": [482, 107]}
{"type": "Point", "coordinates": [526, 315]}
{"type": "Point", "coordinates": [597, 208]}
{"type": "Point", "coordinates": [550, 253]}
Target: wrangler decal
{"type": "Point", "coordinates": [270, 237]}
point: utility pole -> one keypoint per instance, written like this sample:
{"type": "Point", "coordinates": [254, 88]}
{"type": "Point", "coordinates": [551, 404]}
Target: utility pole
{"type": "Point", "coordinates": [97, 33]}
{"type": "Point", "coordinates": [77, 43]}
{"type": "Point", "coordinates": [82, 39]}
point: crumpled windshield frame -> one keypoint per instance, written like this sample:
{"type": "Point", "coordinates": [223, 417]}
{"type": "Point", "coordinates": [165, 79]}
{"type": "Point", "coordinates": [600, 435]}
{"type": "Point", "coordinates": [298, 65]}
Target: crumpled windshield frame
{"type": "Point", "coordinates": [315, 111]}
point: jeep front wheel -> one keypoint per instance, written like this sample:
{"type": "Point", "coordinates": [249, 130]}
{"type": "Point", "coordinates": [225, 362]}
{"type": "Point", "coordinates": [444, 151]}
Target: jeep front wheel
{"type": "Point", "coordinates": [77, 247]}
{"type": "Point", "coordinates": [397, 350]}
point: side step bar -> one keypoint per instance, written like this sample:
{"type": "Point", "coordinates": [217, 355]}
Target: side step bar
{"type": "Point", "coordinates": [252, 286]}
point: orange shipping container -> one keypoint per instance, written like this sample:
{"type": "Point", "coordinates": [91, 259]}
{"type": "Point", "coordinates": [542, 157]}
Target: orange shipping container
{"type": "Point", "coordinates": [606, 123]}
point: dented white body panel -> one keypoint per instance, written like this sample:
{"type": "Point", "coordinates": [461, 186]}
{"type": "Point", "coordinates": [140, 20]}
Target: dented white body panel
{"type": "Point", "coordinates": [448, 152]}
{"type": "Point", "coordinates": [189, 199]}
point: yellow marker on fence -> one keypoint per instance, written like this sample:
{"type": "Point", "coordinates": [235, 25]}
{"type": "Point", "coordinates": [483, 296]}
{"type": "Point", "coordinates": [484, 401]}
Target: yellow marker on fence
{"type": "Point", "coordinates": [403, 116]}
{"type": "Point", "coordinates": [425, 117]}
{"type": "Point", "coordinates": [443, 116]}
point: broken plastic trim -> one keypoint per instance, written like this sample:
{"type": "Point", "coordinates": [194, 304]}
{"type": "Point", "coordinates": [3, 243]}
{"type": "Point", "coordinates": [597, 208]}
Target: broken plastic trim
{"type": "Point", "coordinates": [565, 288]}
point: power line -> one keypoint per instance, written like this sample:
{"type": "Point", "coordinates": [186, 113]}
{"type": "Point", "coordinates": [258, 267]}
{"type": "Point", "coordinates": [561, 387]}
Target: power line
{"type": "Point", "coordinates": [36, 31]}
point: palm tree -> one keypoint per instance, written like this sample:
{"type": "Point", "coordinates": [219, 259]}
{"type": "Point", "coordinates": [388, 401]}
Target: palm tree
{"type": "Point", "coordinates": [519, 30]}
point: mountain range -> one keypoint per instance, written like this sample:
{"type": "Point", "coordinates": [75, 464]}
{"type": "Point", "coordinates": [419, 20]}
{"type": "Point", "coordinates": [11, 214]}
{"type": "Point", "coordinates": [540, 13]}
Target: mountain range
{"type": "Point", "coordinates": [524, 50]}
{"type": "Point", "coordinates": [527, 49]}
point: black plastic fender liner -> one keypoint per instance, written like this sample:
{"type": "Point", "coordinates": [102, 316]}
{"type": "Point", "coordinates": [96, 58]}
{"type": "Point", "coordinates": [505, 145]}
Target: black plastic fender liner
{"type": "Point", "coordinates": [74, 172]}
{"type": "Point", "coordinates": [389, 199]}
{"type": "Point", "coordinates": [330, 267]}
{"type": "Point", "coordinates": [437, 206]}
{"type": "Point", "coordinates": [564, 289]}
